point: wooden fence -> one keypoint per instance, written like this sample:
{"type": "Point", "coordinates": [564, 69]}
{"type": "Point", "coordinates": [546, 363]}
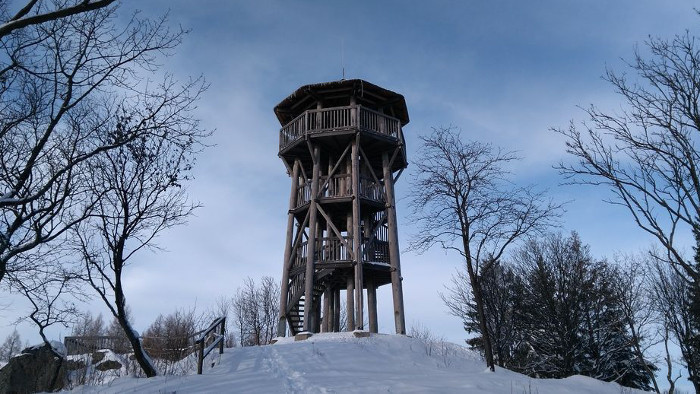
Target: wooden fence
{"type": "Point", "coordinates": [202, 342]}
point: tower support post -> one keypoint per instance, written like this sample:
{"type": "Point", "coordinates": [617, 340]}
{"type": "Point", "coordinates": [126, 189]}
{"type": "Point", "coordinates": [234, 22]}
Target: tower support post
{"type": "Point", "coordinates": [396, 286]}
{"type": "Point", "coordinates": [309, 309]}
{"type": "Point", "coordinates": [357, 233]}
{"type": "Point", "coordinates": [284, 286]}
{"type": "Point", "coordinates": [372, 306]}
{"type": "Point", "coordinates": [350, 304]}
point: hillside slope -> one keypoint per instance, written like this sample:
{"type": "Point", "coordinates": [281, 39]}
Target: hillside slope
{"type": "Point", "coordinates": [341, 363]}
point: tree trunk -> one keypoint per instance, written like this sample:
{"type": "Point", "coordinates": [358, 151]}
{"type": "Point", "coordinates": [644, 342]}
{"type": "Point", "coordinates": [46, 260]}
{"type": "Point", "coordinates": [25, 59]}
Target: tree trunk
{"type": "Point", "coordinates": [139, 353]}
{"type": "Point", "coordinates": [479, 301]}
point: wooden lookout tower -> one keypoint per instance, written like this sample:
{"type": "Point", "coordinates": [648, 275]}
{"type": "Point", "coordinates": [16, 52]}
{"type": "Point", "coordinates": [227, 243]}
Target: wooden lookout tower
{"type": "Point", "coordinates": [344, 149]}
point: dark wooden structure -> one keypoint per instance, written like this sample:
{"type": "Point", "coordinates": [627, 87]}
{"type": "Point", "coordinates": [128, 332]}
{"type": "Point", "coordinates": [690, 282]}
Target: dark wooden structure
{"type": "Point", "coordinates": [343, 146]}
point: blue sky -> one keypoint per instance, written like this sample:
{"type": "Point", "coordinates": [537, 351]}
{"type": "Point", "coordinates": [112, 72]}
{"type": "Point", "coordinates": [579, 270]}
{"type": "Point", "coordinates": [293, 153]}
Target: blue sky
{"type": "Point", "coordinates": [502, 71]}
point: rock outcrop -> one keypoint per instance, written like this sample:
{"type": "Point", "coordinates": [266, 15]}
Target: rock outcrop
{"type": "Point", "coordinates": [36, 369]}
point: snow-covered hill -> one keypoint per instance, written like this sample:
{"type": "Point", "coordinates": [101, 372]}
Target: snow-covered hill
{"type": "Point", "coordinates": [342, 363]}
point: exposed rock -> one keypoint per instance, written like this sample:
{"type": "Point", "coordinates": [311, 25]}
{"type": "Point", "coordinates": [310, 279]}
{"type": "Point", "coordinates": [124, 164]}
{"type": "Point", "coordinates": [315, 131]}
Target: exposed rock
{"type": "Point", "coordinates": [107, 365]}
{"type": "Point", "coordinates": [74, 365]}
{"type": "Point", "coordinates": [98, 356]}
{"type": "Point", "coordinates": [35, 369]}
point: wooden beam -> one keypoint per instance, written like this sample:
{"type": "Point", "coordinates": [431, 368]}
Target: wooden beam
{"type": "Point", "coordinates": [335, 230]}
{"type": "Point", "coordinates": [394, 259]}
{"type": "Point", "coordinates": [373, 235]}
{"type": "Point", "coordinates": [303, 171]}
{"type": "Point", "coordinates": [350, 296]}
{"type": "Point", "coordinates": [357, 236]}
{"type": "Point", "coordinates": [394, 155]}
{"type": "Point", "coordinates": [350, 304]}
{"type": "Point", "coordinates": [371, 171]}
{"type": "Point", "coordinates": [372, 305]}
{"type": "Point", "coordinates": [398, 175]}
{"type": "Point", "coordinates": [288, 247]}
{"type": "Point", "coordinates": [311, 246]}
{"type": "Point", "coordinates": [327, 319]}
{"type": "Point", "coordinates": [337, 164]}
{"type": "Point", "coordinates": [300, 234]}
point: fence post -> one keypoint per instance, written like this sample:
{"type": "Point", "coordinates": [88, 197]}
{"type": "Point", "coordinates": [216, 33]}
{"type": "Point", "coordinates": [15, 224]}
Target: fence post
{"type": "Point", "coordinates": [200, 358]}
{"type": "Point", "coordinates": [223, 338]}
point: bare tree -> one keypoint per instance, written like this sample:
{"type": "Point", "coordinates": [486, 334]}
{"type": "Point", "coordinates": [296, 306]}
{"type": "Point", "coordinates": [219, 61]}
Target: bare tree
{"type": "Point", "coordinates": [170, 337]}
{"type": "Point", "coordinates": [46, 293]}
{"type": "Point", "coordinates": [647, 154]}
{"type": "Point", "coordinates": [67, 73]}
{"type": "Point", "coordinates": [139, 185]}
{"type": "Point", "coordinates": [671, 301]}
{"type": "Point", "coordinates": [463, 201]}
{"type": "Point", "coordinates": [223, 308]}
{"type": "Point", "coordinates": [631, 289]}
{"type": "Point", "coordinates": [51, 288]}
{"type": "Point", "coordinates": [76, 88]}
{"type": "Point", "coordinates": [11, 346]}
{"type": "Point", "coordinates": [255, 310]}
{"type": "Point", "coordinates": [89, 326]}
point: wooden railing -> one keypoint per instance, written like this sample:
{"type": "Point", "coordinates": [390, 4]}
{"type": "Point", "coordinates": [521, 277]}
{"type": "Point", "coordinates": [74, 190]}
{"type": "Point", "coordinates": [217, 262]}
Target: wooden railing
{"type": "Point", "coordinates": [334, 249]}
{"type": "Point", "coordinates": [376, 251]}
{"type": "Point", "coordinates": [339, 118]}
{"type": "Point", "coordinates": [340, 186]}
{"type": "Point", "coordinates": [300, 256]}
{"type": "Point", "coordinates": [203, 342]}
{"type": "Point", "coordinates": [328, 249]}
{"type": "Point", "coordinates": [90, 344]}
{"type": "Point", "coordinates": [296, 290]}
{"type": "Point", "coordinates": [303, 193]}
{"type": "Point", "coordinates": [209, 340]}
{"type": "Point", "coordinates": [371, 190]}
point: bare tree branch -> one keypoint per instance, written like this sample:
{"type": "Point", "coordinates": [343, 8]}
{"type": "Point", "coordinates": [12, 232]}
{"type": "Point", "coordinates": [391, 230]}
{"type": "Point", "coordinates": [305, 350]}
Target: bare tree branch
{"type": "Point", "coordinates": [19, 21]}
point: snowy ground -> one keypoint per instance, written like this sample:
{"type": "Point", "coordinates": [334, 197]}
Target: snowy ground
{"type": "Point", "coordinates": [341, 363]}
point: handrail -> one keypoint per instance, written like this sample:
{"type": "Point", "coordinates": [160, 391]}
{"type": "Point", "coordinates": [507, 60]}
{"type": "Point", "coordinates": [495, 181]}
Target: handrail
{"type": "Point", "coordinates": [338, 118]}
{"type": "Point", "coordinates": [219, 340]}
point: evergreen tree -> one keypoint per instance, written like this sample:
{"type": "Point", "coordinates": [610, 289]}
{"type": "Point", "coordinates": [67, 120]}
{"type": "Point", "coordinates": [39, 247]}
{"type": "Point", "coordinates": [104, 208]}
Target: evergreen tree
{"type": "Point", "coordinates": [571, 320]}
{"type": "Point", "coordinates": [554, 312]}
{"type": "Point", "coordinates": [610, 354]}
